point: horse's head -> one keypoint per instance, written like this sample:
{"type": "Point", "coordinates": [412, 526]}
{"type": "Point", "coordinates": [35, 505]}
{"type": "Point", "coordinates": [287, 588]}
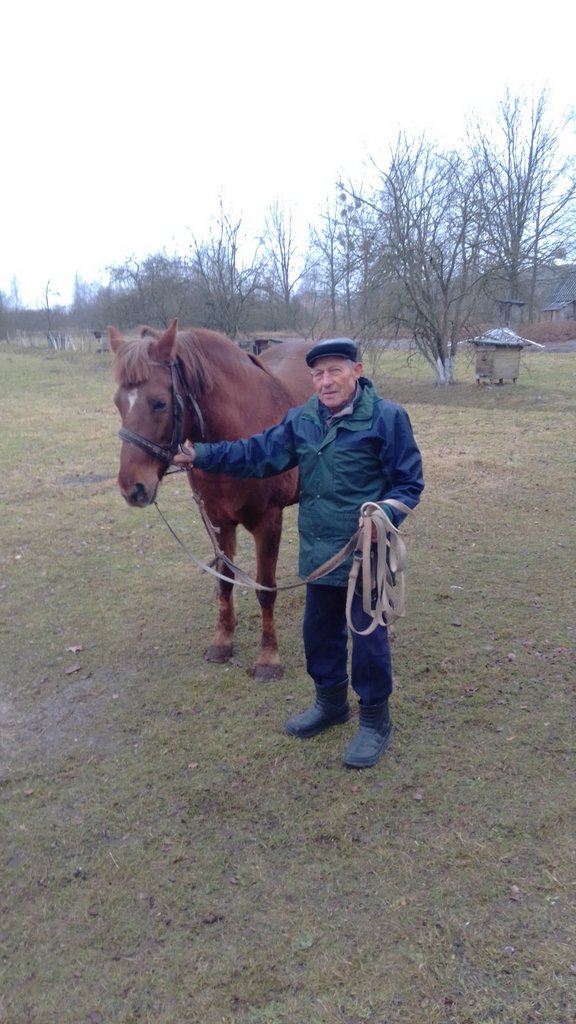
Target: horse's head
{"type": "Point", "coordinates": [150, 407]}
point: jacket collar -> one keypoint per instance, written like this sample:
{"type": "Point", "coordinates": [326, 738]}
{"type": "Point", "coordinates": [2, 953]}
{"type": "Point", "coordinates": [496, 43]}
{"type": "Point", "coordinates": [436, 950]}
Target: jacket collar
{"type": "Point", "coordinates": [361, 410]}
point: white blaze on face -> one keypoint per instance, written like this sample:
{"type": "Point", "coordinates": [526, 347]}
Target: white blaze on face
{"type": "Point", "coordinates": [132, 398]}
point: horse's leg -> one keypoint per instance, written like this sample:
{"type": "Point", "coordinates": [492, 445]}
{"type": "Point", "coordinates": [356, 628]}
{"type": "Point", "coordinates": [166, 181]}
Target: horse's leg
{"type": "Point", "coordinates": [222, 647]}
{"type": "Point", "coordinates": [267, 539]}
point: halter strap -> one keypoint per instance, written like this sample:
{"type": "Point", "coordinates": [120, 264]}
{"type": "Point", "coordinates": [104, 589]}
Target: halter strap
{"type": "Point", "coordinates": [165, 453]}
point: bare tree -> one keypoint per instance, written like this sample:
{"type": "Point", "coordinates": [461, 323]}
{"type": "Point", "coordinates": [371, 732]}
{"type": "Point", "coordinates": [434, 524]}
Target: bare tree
{"type": "Point", "coordinates": [4, 316]}
{"type": "Point", "coordinates": [285, 268]}
{"type": "Point", "coordinates": [325, 253]}
{"type": "Point", "coordinates": [84, 303]}
{"type": "Point", "coordinates": [154, 290]}
{"type": "Point", "coordinates": [312, 297]}
{"type": "Point", "coordinates": [10, 307]}
{"type": "Point", "coordinates": [527, 192]}
{"type": "Point", "coordinates": [350, 273]}
{"type": "Point", "coordinates": [227, 283]}
{"type": "Point", "coordinates": [364, 273]}
{"type": "Point", "coordinates": [430, 228]}
{"type": "Point", "coordinates": [54, 318]}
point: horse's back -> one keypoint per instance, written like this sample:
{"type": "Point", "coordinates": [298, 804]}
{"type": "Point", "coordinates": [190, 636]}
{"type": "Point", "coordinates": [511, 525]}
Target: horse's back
{"type": "Point", "coordinates": [287, 361]}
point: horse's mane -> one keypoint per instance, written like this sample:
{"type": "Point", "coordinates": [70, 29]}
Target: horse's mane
{"type": "Point", "coordinates": [136, 357]}
{"type": "Point", "coordinates": [207, 357]}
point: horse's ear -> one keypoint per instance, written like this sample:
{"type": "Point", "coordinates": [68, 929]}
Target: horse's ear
{"type": "Point", "coordinates": [166, 346]}
{"type": "Point", "coordinates": [115, 339]}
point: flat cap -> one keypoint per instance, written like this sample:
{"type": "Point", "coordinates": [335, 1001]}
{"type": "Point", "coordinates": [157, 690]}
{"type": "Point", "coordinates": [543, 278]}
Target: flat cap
{"type": "Point", "coordinates": [343, 347]}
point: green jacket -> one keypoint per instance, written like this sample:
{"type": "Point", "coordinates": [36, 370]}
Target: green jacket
{"type": "Point", "coordinates": [367, 455]}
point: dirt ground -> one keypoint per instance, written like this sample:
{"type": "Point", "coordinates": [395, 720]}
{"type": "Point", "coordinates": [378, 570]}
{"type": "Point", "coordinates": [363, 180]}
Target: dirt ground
{"type": "Point", "coordinates": [75, 719]}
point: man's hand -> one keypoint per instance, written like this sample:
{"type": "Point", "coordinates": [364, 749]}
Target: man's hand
{"type": "Point", "coordinates": [361, 523]}
{"type": "Point", "coordinates": [185, 457]}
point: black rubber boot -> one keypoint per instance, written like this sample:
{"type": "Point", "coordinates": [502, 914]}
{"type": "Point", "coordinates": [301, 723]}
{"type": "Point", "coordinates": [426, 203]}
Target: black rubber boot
{"type": "Point", "coordinates": [372, 738]}
{"type": "Point", "coordinates": [331, 707]}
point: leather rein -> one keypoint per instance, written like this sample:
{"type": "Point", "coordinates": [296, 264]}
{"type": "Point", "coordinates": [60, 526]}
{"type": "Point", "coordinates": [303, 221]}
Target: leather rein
{"type": "Point", "coordinates": [378, 566]}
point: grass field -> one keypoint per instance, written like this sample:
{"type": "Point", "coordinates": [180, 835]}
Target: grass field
{"type": "Point", "coordinates": [169, 856]}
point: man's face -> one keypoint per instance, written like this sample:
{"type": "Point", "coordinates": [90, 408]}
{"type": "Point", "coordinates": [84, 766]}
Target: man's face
{"type": "Point", "coordinates": [334, 380]}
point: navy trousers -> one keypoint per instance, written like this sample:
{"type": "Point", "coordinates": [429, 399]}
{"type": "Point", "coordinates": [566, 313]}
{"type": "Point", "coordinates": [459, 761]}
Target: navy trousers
{"type": "Point", "coordinates": [325, 633]}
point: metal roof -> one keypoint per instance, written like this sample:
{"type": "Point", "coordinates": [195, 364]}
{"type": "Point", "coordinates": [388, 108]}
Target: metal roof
{"type": "Point", "coordinates": [500, 336]}
{"type": "Point", "coordinates": [566, 292]}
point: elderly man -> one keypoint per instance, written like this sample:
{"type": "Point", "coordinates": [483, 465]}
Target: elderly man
{"type": "Point", "coordinates": [351, 446]}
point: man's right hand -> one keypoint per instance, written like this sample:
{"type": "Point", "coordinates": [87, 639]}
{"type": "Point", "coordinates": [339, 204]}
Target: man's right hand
{"type": "Point", "coordinates": [185, 457]}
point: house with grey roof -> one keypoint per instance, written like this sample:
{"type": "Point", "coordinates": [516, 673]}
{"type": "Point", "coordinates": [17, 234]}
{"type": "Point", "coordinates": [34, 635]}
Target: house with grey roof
{"type": "Point", "coordinates": [562, 305]}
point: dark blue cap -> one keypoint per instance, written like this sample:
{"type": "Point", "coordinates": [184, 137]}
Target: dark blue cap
{"type": "Point", "coordinates": [345, 348]}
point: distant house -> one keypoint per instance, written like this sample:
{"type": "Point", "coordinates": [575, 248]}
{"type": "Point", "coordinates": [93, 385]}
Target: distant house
{"type": "Point", "coordinates": [562, 306]}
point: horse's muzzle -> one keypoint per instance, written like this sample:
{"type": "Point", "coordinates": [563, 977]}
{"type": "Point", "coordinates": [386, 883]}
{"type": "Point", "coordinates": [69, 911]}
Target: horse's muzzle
{"type": "Point", "coordinates": [139, 496]}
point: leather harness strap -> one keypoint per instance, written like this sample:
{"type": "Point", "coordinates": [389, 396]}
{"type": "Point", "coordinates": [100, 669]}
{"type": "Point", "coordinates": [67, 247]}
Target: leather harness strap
{"type": "Point", "coordinates": [382, 563]}
{"type": "Point", "coordinates": [379, 564]}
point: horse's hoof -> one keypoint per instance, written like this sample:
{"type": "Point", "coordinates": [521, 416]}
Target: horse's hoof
{"type": "Point", "coordinates": [219, 653]}
{"type": "Point", "coordinates": [267, 673]}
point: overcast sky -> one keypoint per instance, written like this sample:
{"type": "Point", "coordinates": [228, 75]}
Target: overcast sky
{"type": "Point", "coordinates": [123, 123]}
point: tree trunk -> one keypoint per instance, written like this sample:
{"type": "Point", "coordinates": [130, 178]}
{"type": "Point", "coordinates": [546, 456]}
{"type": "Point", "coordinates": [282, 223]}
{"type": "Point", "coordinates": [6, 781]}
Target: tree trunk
{"type": "Point", "coordinates": [445, 369]}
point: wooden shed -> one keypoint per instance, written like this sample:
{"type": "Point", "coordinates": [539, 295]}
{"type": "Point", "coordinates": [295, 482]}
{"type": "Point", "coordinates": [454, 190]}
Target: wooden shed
{"type": "Point", "coordinates": [498, 356]}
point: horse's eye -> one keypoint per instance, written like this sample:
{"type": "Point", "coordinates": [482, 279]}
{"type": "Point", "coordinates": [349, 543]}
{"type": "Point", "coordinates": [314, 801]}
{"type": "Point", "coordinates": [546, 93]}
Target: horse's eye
{"type": "Point", "coordinates": [159, 405]}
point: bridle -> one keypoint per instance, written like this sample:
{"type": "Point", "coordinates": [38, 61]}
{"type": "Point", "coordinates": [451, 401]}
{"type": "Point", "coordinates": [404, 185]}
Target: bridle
{"type": "Point", "coordinates": [166, 452]}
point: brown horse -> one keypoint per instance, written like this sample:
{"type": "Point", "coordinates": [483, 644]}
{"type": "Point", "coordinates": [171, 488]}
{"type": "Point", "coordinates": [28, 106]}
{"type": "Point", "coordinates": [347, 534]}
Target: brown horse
{"type": "Point", "coordinates": [198, 385]}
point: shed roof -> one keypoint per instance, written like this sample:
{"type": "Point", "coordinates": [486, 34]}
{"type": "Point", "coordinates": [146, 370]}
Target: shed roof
{"type": "Point", "coordinates": [500, 336]}
{"type": "Point", "coordinates": [566, 292]}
